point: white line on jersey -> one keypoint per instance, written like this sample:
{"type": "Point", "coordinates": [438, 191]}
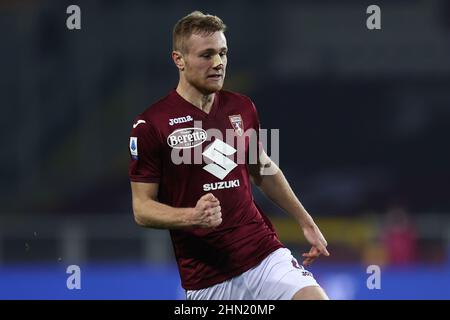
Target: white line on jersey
{"type": "Point", "coordinates": [138, 123]}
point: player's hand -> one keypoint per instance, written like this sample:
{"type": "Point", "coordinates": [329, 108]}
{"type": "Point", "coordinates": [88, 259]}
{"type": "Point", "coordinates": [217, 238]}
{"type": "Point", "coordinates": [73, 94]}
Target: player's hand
{"type": "Point", "coordinates": [207, 213]}
{"type": "Point", "coordinates": [318, 242]}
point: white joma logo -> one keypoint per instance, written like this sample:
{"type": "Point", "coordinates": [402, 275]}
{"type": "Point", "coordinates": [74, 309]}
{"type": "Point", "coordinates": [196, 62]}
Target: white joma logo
{"type": "Point", "coordinates": [180, 120]}
{"type": "Point", "coordinates": [138, 123]}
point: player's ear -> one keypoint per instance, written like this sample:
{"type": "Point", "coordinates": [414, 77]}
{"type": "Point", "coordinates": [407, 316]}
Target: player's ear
{"type": "Point", "coordinates": [178, 59]}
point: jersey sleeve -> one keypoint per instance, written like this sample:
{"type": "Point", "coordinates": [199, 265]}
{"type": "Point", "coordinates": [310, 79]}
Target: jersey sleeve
{"type": "Point", "coordinates": [145, 153]}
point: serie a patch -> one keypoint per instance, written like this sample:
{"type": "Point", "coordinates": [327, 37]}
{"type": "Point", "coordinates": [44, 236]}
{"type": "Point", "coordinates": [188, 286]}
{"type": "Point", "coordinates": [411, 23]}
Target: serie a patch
{"type": "Point", "coordinates": [134, 148]}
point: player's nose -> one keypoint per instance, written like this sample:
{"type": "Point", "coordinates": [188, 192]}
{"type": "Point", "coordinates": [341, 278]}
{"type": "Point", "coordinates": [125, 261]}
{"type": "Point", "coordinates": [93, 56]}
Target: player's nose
{"type": "Point", "coordinates": [217, 61]}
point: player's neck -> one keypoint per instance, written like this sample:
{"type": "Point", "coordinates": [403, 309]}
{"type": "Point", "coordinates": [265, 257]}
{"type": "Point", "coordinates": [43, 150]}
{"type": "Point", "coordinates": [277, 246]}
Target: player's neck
{"type": "Point", "coordinates": [195, 97]}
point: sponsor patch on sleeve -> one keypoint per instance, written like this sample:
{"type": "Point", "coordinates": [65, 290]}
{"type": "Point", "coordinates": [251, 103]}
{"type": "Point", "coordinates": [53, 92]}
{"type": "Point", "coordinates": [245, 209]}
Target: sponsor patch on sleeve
{"type": "Point", "coordinates": [133, 148]}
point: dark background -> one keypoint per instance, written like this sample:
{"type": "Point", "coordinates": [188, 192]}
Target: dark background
{"type": "Point", "coordinates": [363, 117]}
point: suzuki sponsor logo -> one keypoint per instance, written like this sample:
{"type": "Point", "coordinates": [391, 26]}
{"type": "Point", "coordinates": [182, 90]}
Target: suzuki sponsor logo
{"type": "Point", "coordinates": [221, 185]}
{"type": "Point", "coordinates": [186, 138]}
{"type": "Point", "coordinates": [218, 152]}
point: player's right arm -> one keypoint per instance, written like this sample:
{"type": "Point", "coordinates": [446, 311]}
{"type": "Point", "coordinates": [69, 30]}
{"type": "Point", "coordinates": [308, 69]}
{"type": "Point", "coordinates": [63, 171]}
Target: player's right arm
{"type": "Point", "coordinates": [150, 213]}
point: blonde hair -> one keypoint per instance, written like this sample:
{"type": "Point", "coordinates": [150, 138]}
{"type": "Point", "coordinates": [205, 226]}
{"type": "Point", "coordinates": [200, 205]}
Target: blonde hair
{"type": "Point", "coordinates": [194, 23]}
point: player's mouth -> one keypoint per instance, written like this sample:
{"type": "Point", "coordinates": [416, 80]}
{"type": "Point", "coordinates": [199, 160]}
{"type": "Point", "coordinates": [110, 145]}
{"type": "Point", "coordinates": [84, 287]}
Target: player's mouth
{"type": "Point", "coordinates": [215, 76]}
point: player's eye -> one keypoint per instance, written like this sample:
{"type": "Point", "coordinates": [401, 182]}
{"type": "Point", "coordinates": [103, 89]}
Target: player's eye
{"type": "Point", "coordinates": [223, 54]}
{"type": "Point", "coordinates": [205, 55]}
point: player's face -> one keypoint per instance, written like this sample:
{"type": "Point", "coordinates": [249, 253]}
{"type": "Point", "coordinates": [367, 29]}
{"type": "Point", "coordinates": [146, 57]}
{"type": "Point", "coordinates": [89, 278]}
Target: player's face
{"type": "Point", "coordinates": [206, 61]}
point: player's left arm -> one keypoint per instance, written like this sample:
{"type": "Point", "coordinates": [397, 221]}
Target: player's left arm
{"type": "Point", "coordinates": [272, 182]}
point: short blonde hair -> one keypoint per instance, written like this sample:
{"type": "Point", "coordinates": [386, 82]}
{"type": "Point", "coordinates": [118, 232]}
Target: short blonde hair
{"type": "Point", "coordinates": [195, 23]}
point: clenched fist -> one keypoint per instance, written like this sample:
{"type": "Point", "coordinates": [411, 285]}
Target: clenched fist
{"type": "Point", "coordinates": [207, 212]}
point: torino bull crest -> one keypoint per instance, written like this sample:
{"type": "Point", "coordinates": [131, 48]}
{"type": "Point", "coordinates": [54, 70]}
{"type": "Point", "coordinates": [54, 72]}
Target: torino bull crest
{"type": "Point", "coordinates": [236, 122]}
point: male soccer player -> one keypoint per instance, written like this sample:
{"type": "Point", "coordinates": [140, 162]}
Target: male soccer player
{"type": "Point", "coordinates": [224, 245]}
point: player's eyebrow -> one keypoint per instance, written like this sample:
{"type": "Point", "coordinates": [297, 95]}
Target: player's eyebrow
{"type": "Point", "coordinates": [211, 50]}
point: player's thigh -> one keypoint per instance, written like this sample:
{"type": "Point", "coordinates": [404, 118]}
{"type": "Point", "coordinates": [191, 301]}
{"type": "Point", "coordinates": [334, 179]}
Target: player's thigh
{"type": "Point", "coordinates": [310, 293]}
{"type": "Point", "coordinates": [279, 277]}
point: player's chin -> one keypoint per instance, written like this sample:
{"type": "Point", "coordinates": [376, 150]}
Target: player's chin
{"type": "Point", "coordinates": [213, 87]}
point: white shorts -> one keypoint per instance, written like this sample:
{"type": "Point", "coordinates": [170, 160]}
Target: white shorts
{"type": "Point", "coordinates": [277, 277]}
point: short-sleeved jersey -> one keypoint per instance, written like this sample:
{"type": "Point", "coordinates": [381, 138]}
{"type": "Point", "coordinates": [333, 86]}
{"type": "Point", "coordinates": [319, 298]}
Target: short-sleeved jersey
{"type": "Point", "coordinates": [188, 153]}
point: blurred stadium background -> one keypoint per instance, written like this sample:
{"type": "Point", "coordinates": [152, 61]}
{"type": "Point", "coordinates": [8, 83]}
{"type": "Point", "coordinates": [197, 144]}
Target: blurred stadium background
{"type": "Point", "coordinates": [363, 118]}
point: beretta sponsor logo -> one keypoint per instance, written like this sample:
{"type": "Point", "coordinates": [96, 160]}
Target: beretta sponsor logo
{"type": "Point", "coordinates": [186, 138]}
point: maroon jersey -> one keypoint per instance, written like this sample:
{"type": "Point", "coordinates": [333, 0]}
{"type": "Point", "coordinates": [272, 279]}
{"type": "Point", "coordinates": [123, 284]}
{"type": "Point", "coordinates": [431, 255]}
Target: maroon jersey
{"type": "Point", "coordinates": [190, 153]}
